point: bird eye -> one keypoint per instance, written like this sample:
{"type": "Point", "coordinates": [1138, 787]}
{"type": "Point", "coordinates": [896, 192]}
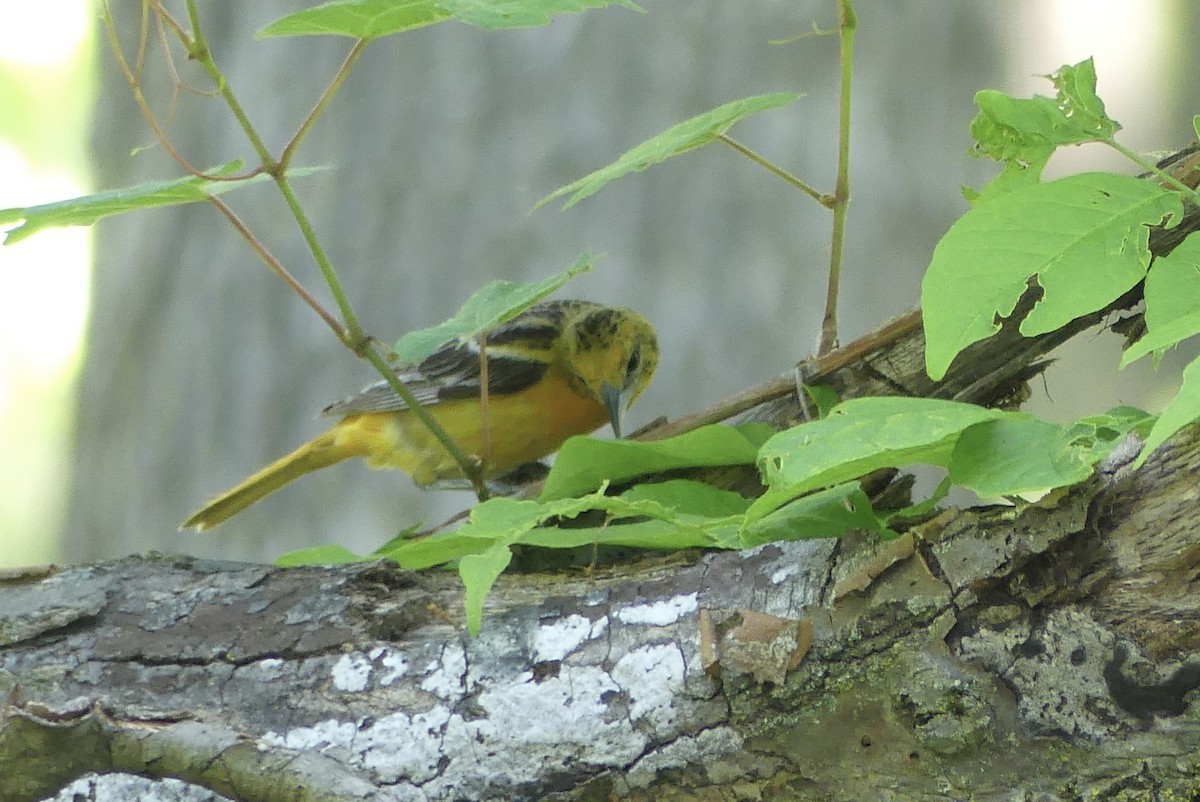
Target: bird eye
{"type": "Point", "coordinates": [635, 361]}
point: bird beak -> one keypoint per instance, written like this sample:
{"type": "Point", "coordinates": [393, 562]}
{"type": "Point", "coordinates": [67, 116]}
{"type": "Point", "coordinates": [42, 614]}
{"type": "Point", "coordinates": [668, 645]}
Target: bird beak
{"type": "Point", "coordinates": [614, 401]}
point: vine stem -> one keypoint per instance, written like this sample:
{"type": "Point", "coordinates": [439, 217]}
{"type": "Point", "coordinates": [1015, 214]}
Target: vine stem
{"type": "Point", "coordinates": [847, 24]}
{"type": "Point", "coordinates": [354, 338]}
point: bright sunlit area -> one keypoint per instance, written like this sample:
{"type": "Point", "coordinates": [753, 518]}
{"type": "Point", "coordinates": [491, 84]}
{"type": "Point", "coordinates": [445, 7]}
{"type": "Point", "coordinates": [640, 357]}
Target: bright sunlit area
{"type": "Point", "coordinates": [46, 83]}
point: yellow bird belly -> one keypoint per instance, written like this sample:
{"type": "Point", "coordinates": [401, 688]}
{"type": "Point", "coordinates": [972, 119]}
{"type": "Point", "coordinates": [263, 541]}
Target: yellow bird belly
{"type": "Point", "coordinates": [521, 427]}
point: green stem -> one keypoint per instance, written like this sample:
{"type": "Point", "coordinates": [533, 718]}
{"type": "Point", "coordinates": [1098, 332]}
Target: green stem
{"type": "Point", "coordinates": [1150, 167]}
{"type": "Point", "coordinates": [322, 103]}
{"type": "Point", "coordinates": [847, 23]}
{"type": "Point", "coordinates": [198, 49]}
{"type": "Point", "coordinates": [770, 166]}
{"type": "Point", "coordinates": [355, 338]}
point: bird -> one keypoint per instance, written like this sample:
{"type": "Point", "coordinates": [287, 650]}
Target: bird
{"type": "Point", "coordinates": [558, 369]}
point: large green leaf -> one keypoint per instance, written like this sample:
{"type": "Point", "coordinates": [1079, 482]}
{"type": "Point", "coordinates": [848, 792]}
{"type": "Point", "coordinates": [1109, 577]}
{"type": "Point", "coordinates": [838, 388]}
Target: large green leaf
{"type": "Point", "coordinates": [1014, 454]}
{"type": "Point", "coordinates": [497, 14]}
{"type": "Point", "coordinates": [373, 19]}
{"type": "Point", "coordinates": [685, 136]}
{"type": "Point", "coordinates": [1162, 337]}
{"type": "Point", "coordinates": [327, 554]}
{"type": "Point", "coordinates": [361, 19]}
{"type": "Point", "coordinates": [860, 436]}
{"type": "Point", "coordinates": [1084, 239]}
{"type": "Point", "coordinates": [1173, 284]}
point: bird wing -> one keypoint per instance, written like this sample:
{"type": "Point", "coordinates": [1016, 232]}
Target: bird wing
{"type": "Point", "coordinates": [452, 372]}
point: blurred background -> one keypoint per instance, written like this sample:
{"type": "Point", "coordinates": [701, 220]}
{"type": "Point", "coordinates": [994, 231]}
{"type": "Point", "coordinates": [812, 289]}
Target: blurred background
{"type": "Point", "coordinates": [151, 362]}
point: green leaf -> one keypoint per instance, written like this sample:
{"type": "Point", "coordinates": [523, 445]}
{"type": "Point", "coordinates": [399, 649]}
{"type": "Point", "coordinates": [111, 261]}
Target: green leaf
{"type": "Point", "coordinates": [497, 14]}
{"type": "Point", "coordinates": [685, 136]}
{"type": "Point", "coordinates": [1084, 238]}
{"type": "Point", "coordinates": [755, 432]}
{"type": "Point", "coordinates": [479, 572]}
{"type": "Point", "coordinates": [584, 463]}
{"type": "Point", "coordinates": [824, 398]}
{"type": "Point", "coordinates": [1028, 130]}
{"type": "Point", "coordinates": [426, 552]}
{"type": "Point", "coordinates": [373, 19]}
{"type": "Point", "coordinates": [683, 514]}
{"type": "Point", "coordinates": [1183, 409]}
{"type": "Point", "coordinates": [329, 554]}
{"type": "Point", "coordinates": [88, 209]}
{"type": "Point", "coordinates": [860, 436]}
{"type": "Point", "coordinates": [828, 513]}
{"type": "Point", "coordinates": [1163, 337]}
{"type": "Point", "coordinates": [687, 495]}
{"type": "Point", "coordinates": [498, 519]}
{"type": "Point", "coordinates": [1017, 174]}
{"type": "Point", "coordinates": [406, 535]}
{"type": "Point", "coordinates": [361, 19]}
{"type": "Point", "coordinates": [1173, 284]}
{"type": "Point", "coordinates": [659, 534]}
{"type": "Point", "coordinates": [496, 303]}
{"type": "Point", "coordinates": [1097, 435]}
{"type": "Point", "coordinates": [1014, 454]}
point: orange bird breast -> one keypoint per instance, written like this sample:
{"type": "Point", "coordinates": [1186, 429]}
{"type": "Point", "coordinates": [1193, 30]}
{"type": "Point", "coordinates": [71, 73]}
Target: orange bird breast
{"type": "Point", "coordinates": [522, 426]}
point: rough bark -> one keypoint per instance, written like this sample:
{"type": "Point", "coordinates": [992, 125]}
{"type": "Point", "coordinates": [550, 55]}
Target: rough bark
{"type": "Point", "coordinates": [1046, 652]}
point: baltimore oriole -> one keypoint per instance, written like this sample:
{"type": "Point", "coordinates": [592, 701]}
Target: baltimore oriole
{"type": "Point", "coordinates": [558, 369]}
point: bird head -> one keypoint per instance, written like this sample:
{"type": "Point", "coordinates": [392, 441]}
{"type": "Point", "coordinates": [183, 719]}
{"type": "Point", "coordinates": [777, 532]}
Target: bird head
{"type": "Point", "coordinates": [612, 354]}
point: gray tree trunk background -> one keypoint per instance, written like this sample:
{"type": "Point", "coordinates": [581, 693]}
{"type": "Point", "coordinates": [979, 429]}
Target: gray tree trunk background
{"type": "Point", "coordinates": [201, 367]}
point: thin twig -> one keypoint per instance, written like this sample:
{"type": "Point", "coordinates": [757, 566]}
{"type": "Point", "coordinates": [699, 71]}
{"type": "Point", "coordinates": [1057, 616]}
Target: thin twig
{"type": "Point", "coordinates": [135, 87]}
{"type": "Point", "coordinates": [277, 266]}
{"type": "Point", "coordinates": [785, 384]}
{"type": "Point", "coordinates": [322, 103]}
{"type": "Point", "coordinates": [143, 40]}
{"type": "Point", "coordinates": [485, 422]}
{"type": "Point", "coordinates": [770, 166]}
{"type": "Point", "coordinates": [1149, 167]}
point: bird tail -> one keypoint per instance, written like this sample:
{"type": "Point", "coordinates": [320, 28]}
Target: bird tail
{"type": "Point", "coordinates": [320, 452]}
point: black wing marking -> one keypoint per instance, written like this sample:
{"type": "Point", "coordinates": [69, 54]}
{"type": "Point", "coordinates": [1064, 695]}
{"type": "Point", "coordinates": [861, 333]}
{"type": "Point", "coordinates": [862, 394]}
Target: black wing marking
{"type": "Point", "coordinates": [449, 374]}
{"type": "Point", "coordinates": [452, 372]}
